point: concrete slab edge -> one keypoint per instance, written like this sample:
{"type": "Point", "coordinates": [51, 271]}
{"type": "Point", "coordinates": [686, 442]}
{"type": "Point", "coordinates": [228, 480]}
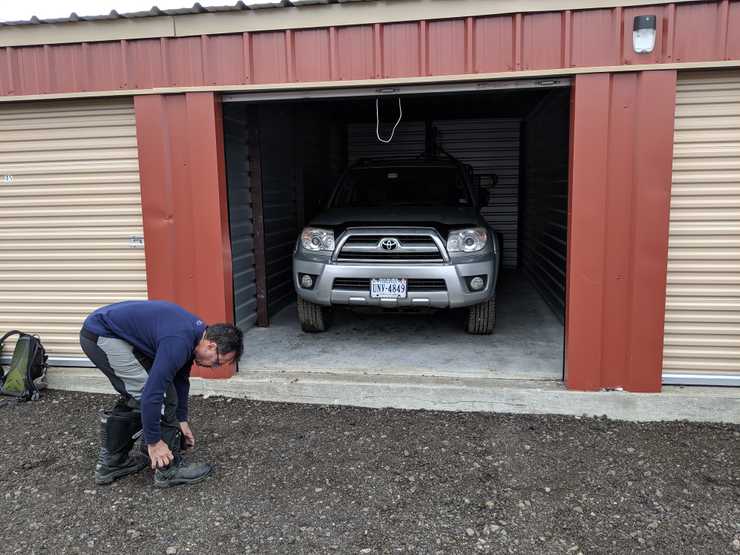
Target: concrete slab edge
{"type": "Point", "coordinates": [695, 404]}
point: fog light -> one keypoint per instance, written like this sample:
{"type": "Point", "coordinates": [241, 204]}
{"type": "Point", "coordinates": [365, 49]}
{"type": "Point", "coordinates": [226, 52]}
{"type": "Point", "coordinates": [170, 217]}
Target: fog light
{"type": "Point", "coordinates": [306, 281]}
{"type": "Point", "coordinates": [477, 283]}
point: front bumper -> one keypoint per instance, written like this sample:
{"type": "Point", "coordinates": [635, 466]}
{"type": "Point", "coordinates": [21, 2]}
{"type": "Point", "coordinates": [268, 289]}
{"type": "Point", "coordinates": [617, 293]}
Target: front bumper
{"type": "Point", "coordinates": [456, 294]}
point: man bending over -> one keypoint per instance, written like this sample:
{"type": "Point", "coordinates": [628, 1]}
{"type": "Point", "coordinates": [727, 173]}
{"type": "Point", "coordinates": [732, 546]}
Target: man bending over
{"type": "Point", "coordinates": [146, 350]}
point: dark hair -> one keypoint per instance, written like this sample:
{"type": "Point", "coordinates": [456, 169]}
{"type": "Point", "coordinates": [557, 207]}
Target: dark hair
{"type": "Point", "coordinates": [228, 339]}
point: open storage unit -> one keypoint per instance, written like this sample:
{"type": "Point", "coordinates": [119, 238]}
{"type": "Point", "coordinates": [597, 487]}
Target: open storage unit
{"type": "Point", "coordinates": [285, 154]}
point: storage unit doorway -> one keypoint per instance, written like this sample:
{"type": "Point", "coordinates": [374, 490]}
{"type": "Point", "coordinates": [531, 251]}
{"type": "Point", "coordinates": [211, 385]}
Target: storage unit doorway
{"type": "Point", "coordinates": [285, 154]}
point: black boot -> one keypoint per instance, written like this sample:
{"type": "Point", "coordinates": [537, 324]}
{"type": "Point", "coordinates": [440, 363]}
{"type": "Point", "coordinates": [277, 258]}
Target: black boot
{"type": "Point", "coordinates": [178, 472]}
{"type": "Point", "coordinates": [117, 431]}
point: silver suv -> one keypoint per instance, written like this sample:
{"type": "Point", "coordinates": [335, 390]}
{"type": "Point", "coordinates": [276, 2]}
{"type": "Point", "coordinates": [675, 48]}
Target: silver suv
{"type": "Point", "coordinates": [400, 234]}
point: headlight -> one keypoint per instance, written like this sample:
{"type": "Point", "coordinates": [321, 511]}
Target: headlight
{"type": "Point", "coordinates": [314, 239]}
{"type": "Point", "coordinates": [467, 240]}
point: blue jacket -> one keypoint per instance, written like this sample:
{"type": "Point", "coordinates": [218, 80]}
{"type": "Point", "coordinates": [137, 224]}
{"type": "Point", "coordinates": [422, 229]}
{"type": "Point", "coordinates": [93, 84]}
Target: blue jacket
{"type": "Point", "coordinates": [164, 332]}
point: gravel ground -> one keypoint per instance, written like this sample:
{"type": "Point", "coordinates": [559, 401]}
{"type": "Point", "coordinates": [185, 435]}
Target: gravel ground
{"type": "Point", "coordinates": [315, 479]}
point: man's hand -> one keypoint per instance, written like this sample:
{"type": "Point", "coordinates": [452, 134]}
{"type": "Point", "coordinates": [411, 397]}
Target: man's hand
{"type": "Point", "coordinates": [159, 454]}
{"type": "Point", "coordinates": [188, 434]}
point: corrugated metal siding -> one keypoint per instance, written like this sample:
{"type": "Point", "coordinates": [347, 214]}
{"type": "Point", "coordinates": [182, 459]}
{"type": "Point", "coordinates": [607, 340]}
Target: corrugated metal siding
{"type": "Point", "coordinates": [545, 199]}
{"type": "Point", "coordinates": [408, 140]}
{"type": "Point", "coordinates": [241, 221]}
{"type": "Point", "coordinates": [488, 145]}
{"type": "Point", "coordinates": [491, 146]}
{"type": "Point", "coordinates": [621, 156]}
{"type": "Point", "coordinates": [280, 202]}
{"type": "Point", "coordinates": [508, 42]}
{"type": "Point", "coordinates": [320, 162]}
{"type": "Point", "coordinates": [69, 202]}
{"type": "Point", "coordinates": [702, 327]}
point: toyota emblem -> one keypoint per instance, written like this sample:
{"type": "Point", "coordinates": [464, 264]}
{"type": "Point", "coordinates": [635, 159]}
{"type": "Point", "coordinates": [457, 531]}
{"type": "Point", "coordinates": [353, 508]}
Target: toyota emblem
{"type": "Point", "coordinates": [389, 244]}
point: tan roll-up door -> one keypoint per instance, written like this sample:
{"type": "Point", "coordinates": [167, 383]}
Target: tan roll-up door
{"type": "Point", "coordinates": [71, 235]}
{"type": "Point", "coordinates": [702, 327]}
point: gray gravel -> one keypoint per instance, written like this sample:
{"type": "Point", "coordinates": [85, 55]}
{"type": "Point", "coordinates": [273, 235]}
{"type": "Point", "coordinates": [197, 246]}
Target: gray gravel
{"type": "Point", "coordinates": [317, 479]}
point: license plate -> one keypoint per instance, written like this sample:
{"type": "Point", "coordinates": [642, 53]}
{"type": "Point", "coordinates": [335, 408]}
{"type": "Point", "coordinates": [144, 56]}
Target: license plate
{"type": "Point", "coordinates": [385, 288]}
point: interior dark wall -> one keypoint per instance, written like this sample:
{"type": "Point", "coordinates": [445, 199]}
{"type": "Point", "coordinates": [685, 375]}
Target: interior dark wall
{"type": "Point", "coordinates": [544, 198]}
{"type": "Point", "coordinates": [320, 135]}
{"type": "Point", "coordinates": [301, 153]}
{"type": "Point", "coordinates": [241, 216]}
{"type": "Point", "coordinates": [280, 192]}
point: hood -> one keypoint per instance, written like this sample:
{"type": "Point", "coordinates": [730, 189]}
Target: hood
{"type": "Point", "coordinates": [434, 216]}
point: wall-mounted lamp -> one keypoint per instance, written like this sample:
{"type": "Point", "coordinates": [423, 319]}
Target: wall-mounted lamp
{"type": "Point", "coordinates": [643, 33]}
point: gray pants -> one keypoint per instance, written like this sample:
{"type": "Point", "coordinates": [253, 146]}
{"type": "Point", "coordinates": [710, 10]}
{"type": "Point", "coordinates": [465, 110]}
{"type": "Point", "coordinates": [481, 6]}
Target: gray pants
{"type": "Point", "coordinates": [127, 370]}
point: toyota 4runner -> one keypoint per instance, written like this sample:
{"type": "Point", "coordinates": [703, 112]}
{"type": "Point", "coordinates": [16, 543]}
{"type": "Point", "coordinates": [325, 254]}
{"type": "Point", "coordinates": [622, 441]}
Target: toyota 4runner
{"type": "Point", "coordinates": [400, 234]}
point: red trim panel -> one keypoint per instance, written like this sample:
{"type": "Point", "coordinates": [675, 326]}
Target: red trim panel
{"type": "Point", "coordinates": [621, 163]}
{"type": "Point", "coordinates": [183, 193]}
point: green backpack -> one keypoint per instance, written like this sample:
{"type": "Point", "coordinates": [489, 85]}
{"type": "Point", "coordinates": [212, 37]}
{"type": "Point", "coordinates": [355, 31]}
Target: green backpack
{"type": "Point", "coordinates": [26, 374]}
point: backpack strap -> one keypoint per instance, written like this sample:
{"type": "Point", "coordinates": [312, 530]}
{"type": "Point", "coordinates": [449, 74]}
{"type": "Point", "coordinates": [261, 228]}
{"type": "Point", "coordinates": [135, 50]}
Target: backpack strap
{"type": "Point", "coordinates": [11, 332]}
{"type": "Point", "coordinates": [2, 344]}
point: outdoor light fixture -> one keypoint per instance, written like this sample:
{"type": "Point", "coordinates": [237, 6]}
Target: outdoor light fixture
{"type": "Point", "coordinates": [643, 33]}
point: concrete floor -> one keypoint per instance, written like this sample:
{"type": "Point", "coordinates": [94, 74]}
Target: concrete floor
{"type": "Point", "coordinates": [527, 342]}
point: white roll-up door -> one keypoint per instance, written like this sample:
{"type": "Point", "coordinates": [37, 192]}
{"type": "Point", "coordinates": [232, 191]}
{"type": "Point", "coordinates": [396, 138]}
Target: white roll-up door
{"type": "Point", "coordinates": [702, 327]}
{"type": "Point", "coordinates": [71, 234]}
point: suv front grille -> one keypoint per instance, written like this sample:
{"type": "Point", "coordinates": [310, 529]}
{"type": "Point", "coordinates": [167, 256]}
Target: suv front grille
{"type": "Point", "coordinates": [416, 285]}
{"type": "Point", "coordinates": [408, 248]}
{"type": "Point", "coordinates": [415, 240]}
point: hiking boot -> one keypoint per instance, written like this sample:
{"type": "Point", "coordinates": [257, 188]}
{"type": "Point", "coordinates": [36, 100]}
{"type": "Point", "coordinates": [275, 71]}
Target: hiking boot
{"type": "Point", "coordinates": [180, 473]}
{"type": "Point", "coordinates": [117, 431]}
{"type": "Point", "coordinates": [107, 474]}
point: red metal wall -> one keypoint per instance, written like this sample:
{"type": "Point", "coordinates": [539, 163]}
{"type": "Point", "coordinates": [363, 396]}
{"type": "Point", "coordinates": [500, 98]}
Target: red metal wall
{"type": "Point", "coordinates": [686, 33]}
{"type": "Point", "coordinates": [621, 158]}
{"type": "Point", "coordinates": [184, 202]}
{"type": "Point", "coordinates": [621, 163]}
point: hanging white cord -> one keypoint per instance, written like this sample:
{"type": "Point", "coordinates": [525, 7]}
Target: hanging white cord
{"type": "Point", "coordinates": [377, 121]}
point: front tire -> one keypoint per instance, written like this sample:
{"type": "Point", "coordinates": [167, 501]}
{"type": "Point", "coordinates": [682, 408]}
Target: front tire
{"type": "Point", "coordinates": [481, 318]}
{"type": "Point", "coordinates": [313, 317]}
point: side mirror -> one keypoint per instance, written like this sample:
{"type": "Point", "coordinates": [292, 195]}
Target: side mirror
{"type": "Point", "coordinates": [484, 183]}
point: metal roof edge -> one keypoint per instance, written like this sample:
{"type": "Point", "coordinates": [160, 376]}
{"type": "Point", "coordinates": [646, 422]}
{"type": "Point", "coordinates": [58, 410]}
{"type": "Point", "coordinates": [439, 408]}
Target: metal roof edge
{"type": "Point", "coordinates": [296, 15]}
{"type": "Point", "coordinates": [98, 31]}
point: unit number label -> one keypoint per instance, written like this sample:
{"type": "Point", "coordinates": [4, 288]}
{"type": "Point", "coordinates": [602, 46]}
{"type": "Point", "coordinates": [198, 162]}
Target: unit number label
{"type": "Point", "coordinates": [136, 241]}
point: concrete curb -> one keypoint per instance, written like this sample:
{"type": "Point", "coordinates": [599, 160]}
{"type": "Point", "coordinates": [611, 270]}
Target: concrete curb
{"type": "Point", "coordinates": [698, 404]}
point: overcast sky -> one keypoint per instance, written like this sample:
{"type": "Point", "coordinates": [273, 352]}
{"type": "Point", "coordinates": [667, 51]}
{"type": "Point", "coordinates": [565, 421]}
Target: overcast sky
{"type": "Point", "coordinates": [15, 10]}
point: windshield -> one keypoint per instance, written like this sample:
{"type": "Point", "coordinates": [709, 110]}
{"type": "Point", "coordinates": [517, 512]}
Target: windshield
{"type": "Point", "coordinates": [402, 186]}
